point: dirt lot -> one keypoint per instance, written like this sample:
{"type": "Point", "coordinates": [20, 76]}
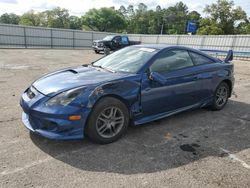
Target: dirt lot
{"type": "Point", "coordinates": [201, 148]}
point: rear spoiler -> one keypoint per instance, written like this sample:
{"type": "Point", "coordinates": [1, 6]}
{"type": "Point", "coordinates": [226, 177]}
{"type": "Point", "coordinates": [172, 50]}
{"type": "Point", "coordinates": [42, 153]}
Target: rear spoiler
{"type": "Point", "coordinates": [229, 57]}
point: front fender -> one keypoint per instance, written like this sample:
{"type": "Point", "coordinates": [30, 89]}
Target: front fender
{"type": "Point", "coordinates": [126, 90]}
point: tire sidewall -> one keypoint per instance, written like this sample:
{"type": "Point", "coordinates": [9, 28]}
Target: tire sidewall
{"type": "Point", "coordinates": [215, 106]}
{"type": "Point", "coordinates": [91, 130]}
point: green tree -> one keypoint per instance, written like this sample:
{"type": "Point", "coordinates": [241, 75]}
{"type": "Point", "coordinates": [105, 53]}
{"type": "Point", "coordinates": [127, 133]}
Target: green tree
{"type": "Point", "coordinates": [209, 27]}
{"type": "Point", "coordinates": [140, 20]}
{"type": "Point", "coordinates": [129, 18]}
{"type": "Point", "coordinates": [75, 22]}
{"type": "Point", "coordinates": [155, 21]}
{"type": "Point", "coordinates": [144, 21]}
{"type": "Point", "coordinates": [130, 11]}
{"type": "Point", "coordinates": [243, 27]}
{"type": "Point", "coordinates": [158, 8]}
{"type": "Point", "coordinates": [9, 18]}
{"type": "Point", "coordinates": [57, 18]}
{"type": "Point", "coordinates": [225, 15]}
{"type": "Point", "coordinates": [104, 19]}
{"type": "Point", "coordinates": [175, 18]}
{"type": "Point", "coordinates": [194, 15]}
{"type": "Point", "coordinates": [142, 7]}
{"type": "Point", "coordinates": [30, 18]}
{"type": "Point", "coordinates": [123, 11]}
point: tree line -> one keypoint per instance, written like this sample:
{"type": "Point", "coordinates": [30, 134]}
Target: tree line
{"type": "Point", "coordinates": [222, 18]}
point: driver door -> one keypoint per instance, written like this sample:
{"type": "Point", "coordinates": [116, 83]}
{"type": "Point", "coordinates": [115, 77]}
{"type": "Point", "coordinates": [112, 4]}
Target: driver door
{"type": "Point", "coordinates": [179, 87]}
{"type": "Point", "coordinates": [117, 42]}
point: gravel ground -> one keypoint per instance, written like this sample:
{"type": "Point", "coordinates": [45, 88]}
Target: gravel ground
{"type": "Point", "coordinates": [200, 148]}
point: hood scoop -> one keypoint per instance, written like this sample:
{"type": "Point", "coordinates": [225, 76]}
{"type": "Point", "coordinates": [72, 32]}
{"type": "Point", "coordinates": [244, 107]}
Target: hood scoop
{"type": "Point", "coordinates": [73, 71]}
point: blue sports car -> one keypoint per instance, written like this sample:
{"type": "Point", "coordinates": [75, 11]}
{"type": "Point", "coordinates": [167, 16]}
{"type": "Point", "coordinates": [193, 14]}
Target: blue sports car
{"type": "Point", "coordinates": [134, 85]}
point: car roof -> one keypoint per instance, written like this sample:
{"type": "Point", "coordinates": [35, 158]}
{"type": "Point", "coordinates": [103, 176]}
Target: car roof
{"type": "Point", "coordinates": [116, 35]}
{"type": "Point", "coordinates": [163, 46]}
{"type": "Point", "coordinates": [166, 46]}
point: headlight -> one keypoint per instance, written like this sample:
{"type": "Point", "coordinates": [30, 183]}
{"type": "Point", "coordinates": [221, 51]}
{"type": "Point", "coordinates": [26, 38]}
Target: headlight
{"type": "Point", "coordinates": [65, 98]}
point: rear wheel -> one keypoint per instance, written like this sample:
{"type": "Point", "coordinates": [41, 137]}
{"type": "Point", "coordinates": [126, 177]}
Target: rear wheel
{"type": "Point", "coordinates": [108, 121]}
{"type": "Point", "coordinates": [220, 96]}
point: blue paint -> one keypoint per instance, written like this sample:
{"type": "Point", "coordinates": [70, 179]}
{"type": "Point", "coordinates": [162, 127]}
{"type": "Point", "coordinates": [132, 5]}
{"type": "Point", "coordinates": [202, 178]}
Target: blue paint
{"type": "Point", "coordinates": [146, 99]}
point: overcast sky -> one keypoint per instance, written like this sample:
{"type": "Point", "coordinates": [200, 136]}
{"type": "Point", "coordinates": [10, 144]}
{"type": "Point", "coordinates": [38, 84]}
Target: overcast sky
{"type": "Point", "coordinates": [79, 7]}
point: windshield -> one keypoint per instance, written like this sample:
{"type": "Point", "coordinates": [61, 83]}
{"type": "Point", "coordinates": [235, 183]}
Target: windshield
{"type": "Point", "coordinates": [129, 59]}
{"type": "Point", "coordinates": [109, 37]}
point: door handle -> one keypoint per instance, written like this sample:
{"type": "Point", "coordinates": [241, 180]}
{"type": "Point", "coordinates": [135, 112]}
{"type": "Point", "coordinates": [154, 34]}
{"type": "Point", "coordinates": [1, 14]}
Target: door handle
{"type": "Point", "coordinates": [202, 76]}
{"type": "Point", "coordinates": [197, 77]}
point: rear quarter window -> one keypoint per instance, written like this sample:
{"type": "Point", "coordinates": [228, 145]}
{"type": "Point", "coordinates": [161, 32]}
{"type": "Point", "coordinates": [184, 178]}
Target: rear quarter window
{"type": "Point", "coordinates": [200, 59]}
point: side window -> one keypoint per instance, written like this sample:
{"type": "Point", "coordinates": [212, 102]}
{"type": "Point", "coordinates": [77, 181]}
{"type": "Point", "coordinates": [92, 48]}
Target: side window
{"type": "Point", "coordinates": [171, 60]}
{"type": "Point", "coordinates": [117, 38]}
{"type": "Point", "coordinates": [200, 59]}
{"type": "Point", "coordinates": [125, 40]}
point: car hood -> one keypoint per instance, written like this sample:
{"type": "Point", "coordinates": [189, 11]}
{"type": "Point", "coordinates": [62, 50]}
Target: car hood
{"type": "Point", "coordinates": [103, 41]}
{"type": "Point", "coordinates": [97, 41]}
{"type": "Point", "coordinates": [66, 79]}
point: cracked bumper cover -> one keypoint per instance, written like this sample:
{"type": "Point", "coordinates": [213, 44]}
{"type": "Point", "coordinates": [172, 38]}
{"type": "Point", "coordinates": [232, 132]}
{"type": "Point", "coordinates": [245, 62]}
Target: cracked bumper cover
{"type": "Point", "coordinates": [54, 125]}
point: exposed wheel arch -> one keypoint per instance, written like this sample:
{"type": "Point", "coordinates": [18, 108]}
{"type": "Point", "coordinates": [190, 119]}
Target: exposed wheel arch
{"type": "Point", "coordinates": [89, 130]}
{"type": "Point", "coordinates": [124, 101]}
{"type": "Point", "coordinates": [221, 95]}
{"type": "Point", "coordinates": [229, 83]}
{"type": "Point", "coordinates": [114, 96]}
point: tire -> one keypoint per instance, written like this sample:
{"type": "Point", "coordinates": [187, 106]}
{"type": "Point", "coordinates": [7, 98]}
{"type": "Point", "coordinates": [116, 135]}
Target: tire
{"type": "Point", "coordinates": [97, 52]}
{"type": "Point", "coordinates": [107, 50]}
{"type": "Point", "coordinates": [221, 91]}
{"type": "Point", "coordinates": [102, 126]}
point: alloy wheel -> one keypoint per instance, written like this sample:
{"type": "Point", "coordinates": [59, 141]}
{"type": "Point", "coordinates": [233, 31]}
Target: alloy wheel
{"type": "Point", "coordinates": [110, 122]}
{"type": "Point", "coordinates": [221, 96]}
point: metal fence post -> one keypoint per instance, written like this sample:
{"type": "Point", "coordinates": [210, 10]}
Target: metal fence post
{"type": "Point", "coordinates": [92, 37]}
{"type": "Point", "coordinates": [51, 38]}
{"type": "Point", "coordinates": [157, 39]}
{"type": "Point", "coordinates": [178, 40]}
{"type": "Point", "coordinates": [233, 42]}
{"type": "Point", "coordinates": [25, 39]}
{"type": "Point", "coordinates": [73, 39]}
{"type": "Point", "coordinates": [202, 42]}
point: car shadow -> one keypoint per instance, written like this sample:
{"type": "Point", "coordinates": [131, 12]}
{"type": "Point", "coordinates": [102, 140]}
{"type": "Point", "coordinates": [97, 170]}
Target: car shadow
{"type": "Point", "coordinates": [161, 145]}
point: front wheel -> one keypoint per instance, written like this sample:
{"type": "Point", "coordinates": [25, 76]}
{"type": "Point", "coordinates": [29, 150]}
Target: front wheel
{"type": "Point", "coordinates": [108, 121]}
{"type": "Point", "coordinates": [220, 96]}
{"type": "Point", "coordinates": [107, 50]}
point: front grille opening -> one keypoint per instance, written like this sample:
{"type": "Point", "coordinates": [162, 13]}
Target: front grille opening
{"type": "Point", "coordinates": [50, 125]}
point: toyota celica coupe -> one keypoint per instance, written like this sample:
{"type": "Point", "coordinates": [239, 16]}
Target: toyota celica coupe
{"type": "Point", "coordinates": [133, 86]}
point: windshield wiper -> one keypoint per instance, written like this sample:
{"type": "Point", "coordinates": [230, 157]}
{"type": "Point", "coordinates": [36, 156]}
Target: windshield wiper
{"type": "Point", "coordinates": [99, 66]}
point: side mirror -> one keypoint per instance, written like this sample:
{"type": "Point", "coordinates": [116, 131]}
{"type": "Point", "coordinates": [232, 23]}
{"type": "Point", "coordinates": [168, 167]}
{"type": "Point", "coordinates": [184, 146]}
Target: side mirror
{"type": "Point", "coordinates": [155, 76]}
